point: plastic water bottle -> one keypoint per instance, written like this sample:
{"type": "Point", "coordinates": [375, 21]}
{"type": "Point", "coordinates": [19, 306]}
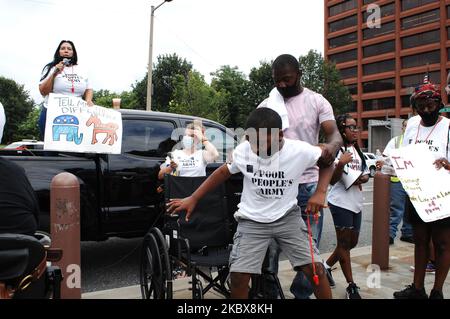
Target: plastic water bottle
{"type": "Point", "coordinates": [387, 168]}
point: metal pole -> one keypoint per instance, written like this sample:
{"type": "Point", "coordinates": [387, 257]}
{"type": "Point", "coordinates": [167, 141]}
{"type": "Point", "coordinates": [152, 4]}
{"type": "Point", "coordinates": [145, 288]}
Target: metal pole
{"type": "Point", "coordinates": [380, 226]}
{"type": "Point", "coordinates": [150, 62]}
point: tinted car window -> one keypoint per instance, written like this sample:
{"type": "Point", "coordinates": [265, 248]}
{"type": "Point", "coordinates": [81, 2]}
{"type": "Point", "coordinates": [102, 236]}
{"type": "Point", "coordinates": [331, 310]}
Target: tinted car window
{"type": "Point", "coordinates": [147, 138]}
{"type": "Point", "coordinates": [223, 142]}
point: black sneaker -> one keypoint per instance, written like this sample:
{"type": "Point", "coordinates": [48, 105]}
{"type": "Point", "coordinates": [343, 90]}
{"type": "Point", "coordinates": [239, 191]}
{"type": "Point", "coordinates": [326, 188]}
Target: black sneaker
{"type": "Point", "coordinates": [353, 291]}
{"type": "Point", "coordinates": [330, 277]}
{"type": "Point", "coordinates": [391, 241]}
{"type": "Point", "coordinates": [407, 239]}
{"type": "Point", "coordinates": [411, 292]}
{"type": "Point", "coordinates": [434, 294]}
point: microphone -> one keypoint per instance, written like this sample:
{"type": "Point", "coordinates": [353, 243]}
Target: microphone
{"type": "Point", "coordinates": [66, 61]}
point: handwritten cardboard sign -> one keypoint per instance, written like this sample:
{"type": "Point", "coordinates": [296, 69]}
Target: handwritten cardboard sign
{"type": "Point", "coordinates": [427, 187]}
{"type": "Point", "coordinates": [74, 126]}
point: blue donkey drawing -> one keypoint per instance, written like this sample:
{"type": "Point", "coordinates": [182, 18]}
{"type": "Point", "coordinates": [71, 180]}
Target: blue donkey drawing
{"type": "Point", "coordinates": [68, 125]}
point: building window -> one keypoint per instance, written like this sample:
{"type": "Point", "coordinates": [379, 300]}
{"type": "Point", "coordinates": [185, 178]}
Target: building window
{"type": "Point", "coordinates": [420, 19]}
{"type": "Point", "coordinates": [448, 33]}
{"type": "Point", "coordinates": [368, 1]}
{"type": "Point", "coordinates": [344, 56]}
{"type": "Point", "coordinates": [406, 102]}
{"type": "Point", "coordinates": [343, 40]}
{"type": "Point", "coordinates": [379, 48]}
{"type": "Point", "coordinates": [411, 61]}
{"type": "Point", "coordinates": [448, 54]}
{"type": "Point", "coordinates": [343, 23]}
{"type": "Point", "coordinates": [379, 104]}
{"type": "Point", "coordinates": [353, 107]}
{"type": "Point", "coordinates": [421, 39]}
{"type": "Point", "coordinates": [349, 72]}
{"type": "Point", "coordinates": [342, 7]}
{"type": "Point", "coordinates": [379, 85]}
{"type": "Point", "coordinates": [448, 12]}
{"type": "Point", "coordinates": [417, 79]}
{"type": "Point", "coordinates": [352, 89]}
{"type": "Point", "coordinates": [379, 67]}
{"type": "Point", "coordinates": [370, 33]}
{"type": "Point", "coordinates": [386, 10]}
{"type": "Point", "coordinates": [409, 4]}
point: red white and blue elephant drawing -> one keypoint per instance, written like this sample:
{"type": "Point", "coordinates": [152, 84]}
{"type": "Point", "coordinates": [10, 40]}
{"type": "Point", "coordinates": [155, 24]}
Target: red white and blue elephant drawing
{"type": "Point", "coordinates": [68, 125]}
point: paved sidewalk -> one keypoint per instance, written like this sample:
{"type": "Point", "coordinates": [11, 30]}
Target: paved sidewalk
{"type": "Point", "coordinates": [398, 275]}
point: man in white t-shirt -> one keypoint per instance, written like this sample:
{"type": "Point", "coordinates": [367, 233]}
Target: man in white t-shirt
{"type": "Point", "coordinates": [272, 167]}
{"type": "Point", "coordinates": [307, 112]}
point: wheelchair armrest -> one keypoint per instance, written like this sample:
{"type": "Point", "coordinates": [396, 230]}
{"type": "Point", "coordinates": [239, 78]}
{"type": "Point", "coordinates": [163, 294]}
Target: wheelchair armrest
{"type": "Point", "coordinates": [54, 254]}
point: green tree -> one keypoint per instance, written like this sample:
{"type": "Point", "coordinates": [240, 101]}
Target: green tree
{"type": "Point", "coordinates": [17, 103]}
{"type": "Point", "coordinates": [29, 129]}
{"type": "Point", "coordinates": [260, 85]}
{"type": "Point", "coordinates": [324, 78]}
{"type": "Point", "coordinates": [234, 85]}
{"type": "Point", "coordinates": [193, 96]}
{"type": "Point", "coordinates": [166, 70]}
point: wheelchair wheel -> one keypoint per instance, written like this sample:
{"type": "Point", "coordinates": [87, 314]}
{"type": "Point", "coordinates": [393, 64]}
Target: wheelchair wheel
{"type": "Point", "coordinates": [151, 276]}
{"type": "Point", "coordinates": [197, 293]}
{"type": "Point", "coordinates": [165, 262]}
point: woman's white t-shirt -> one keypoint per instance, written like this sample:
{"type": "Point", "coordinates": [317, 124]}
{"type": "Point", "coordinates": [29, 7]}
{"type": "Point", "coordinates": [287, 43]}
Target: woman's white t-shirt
{"type": "Point", "coordinates": [271, 184]}
{"type": "Point", "coordinates": [352, 198]}
{"type": "Point", "coordinates": [71, 76]}
{"type": "Point", "coordinates": [188, 165]}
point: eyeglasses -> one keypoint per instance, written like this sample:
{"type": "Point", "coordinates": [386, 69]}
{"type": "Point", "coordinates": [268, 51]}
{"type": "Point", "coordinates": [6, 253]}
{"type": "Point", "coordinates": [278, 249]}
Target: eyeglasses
{"type": "Point", "coordinates": [353, 128]}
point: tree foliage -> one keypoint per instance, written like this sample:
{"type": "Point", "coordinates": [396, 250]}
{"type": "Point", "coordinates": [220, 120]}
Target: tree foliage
{"type": "Point", "coordinates": [193, 96]}
{"type": "Point", "coordinates": [17, 103]}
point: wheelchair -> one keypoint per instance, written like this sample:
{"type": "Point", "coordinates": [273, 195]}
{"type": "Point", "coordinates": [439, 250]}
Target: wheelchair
{"type": "Point", "coordinates": [24, 272]}
{"type": "Point", "coordinates": [200, 247]}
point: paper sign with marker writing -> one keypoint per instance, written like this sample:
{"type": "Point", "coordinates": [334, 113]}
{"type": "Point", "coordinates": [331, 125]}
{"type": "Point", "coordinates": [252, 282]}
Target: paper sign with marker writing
{"type": "Point", "coordinates": [73, 126]}
{"type": "Point", "coordinates": [427, 187]}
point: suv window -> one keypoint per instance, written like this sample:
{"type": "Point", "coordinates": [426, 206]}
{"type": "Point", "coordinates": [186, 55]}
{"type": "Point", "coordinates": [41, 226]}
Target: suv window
{"type": "Point", "coordinates": [150, 138]}
{"type": "Point", "coordinates": [223, 142]}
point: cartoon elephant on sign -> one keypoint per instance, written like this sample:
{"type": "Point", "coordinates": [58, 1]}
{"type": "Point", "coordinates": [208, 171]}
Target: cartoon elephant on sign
{"type": "Point", "coordinates": [68, 125]}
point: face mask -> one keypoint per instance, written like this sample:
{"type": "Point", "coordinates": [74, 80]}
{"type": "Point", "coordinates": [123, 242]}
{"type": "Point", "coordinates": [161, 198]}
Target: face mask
{"type": "Point", "coordinates": [289, 91]}
{"type": "Point", "coordinates": [188, 141]}
{"type": "Point", "coordinates": [429, 118]}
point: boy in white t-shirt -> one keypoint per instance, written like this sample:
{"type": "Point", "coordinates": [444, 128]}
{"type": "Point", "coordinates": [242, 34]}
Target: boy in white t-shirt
{"type": "Point", "coordinates": [272, 166]}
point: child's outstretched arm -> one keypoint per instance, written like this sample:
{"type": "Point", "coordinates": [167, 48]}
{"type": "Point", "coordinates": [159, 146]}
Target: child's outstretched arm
{"type": "Point", "coordinates": [317, 200]}
{"type": "Point", "coordinates": [188, 204]}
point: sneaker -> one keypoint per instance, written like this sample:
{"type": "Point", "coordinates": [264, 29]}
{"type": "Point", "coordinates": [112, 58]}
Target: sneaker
{"type": "Point", "coordinates": [330, 277]}
{"type": "Point", "coordinates": [430, 268]}
{"type": "Point", "coordinates": [391, 241]}
{"type": "Point", "coordinates": [353, 291]}
{"type": "Point", "coordinates": [410, 292]}
{"type": "Point", "coordinates": [434, 294]}
{"type": "Point", "coordinates": [407, 239]}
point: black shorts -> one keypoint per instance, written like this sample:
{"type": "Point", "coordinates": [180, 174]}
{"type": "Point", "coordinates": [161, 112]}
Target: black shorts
{"type": "Point", "coordinates": [345, 219]}
{"type": "Point", "coordinates": [414, 219]}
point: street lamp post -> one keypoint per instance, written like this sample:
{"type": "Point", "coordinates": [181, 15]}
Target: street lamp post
{"type": "Point", "coordinates": [150, 57]}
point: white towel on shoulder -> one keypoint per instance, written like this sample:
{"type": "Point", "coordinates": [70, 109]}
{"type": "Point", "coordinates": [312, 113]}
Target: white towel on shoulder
{"type": "Point", "coordinates": [276, 103]}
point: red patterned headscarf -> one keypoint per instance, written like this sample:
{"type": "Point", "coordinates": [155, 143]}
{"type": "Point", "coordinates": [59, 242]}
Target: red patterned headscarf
{"type": "Point", "coordinates": [426, 91]}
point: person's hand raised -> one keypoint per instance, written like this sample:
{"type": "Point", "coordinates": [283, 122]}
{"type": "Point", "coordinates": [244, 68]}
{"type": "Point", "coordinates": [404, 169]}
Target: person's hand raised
{"type": "Point", "coordinates": [59, 68]}
{"type": "Point", "coordinates": [346, 158]}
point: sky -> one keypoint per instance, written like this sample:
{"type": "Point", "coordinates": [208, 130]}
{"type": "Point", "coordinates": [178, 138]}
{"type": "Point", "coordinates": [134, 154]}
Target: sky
{"type": "Point", "coordinates": [112, 36]}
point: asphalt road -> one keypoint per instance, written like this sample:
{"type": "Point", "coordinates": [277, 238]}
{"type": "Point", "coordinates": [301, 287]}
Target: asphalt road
{"type": "Point", "coordinates": [115, 263]}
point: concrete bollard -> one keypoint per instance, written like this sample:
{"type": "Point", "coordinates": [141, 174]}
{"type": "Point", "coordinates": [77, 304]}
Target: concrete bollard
{"type": "Point", "coordinates": [65, 231]}
{"type": "Point", "coordinates": [380, 226]}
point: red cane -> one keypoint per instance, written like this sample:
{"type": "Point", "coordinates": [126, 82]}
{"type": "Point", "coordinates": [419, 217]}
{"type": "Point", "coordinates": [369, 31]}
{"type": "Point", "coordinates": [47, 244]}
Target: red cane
{"type": "Point", "coordinates": [315, 277]}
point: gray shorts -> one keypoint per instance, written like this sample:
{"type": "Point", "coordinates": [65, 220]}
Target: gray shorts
{"type": "Point", "coordinates": [252, 239]}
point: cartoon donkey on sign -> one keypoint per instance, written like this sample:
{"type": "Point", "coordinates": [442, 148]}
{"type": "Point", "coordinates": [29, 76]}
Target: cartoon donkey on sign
{"type": "Point", "coordinates": [99, 127]}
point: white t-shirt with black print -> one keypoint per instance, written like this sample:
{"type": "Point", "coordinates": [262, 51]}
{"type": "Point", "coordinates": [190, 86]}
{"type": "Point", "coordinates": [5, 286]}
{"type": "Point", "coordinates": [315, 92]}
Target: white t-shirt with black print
{"type": "Point", "coordinates": [188, 165]}
{"type": "Point", "coordinates": [271, 184]}
{"type": "Point", "coordinates": [62, 84]}
{"type": "Point", "coordinates": [352, 198]}
{"type": "Point", "coordinates": [437, 136]}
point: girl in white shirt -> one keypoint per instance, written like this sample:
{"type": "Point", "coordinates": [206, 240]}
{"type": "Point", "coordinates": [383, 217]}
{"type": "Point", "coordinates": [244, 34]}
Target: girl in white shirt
{"type": "Point", "coordinates": [346, 203]}
{"type": "Point", "coordinates": [64, 76]}
{"type": "Point", "coordinates": [190, 160]}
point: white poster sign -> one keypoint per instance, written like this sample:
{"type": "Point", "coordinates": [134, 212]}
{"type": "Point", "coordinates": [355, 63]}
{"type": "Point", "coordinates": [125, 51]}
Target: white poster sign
{"type": "Point", "coordinates": [427, 187]}
{"type": "Point", "coordinates": [73, 126]}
